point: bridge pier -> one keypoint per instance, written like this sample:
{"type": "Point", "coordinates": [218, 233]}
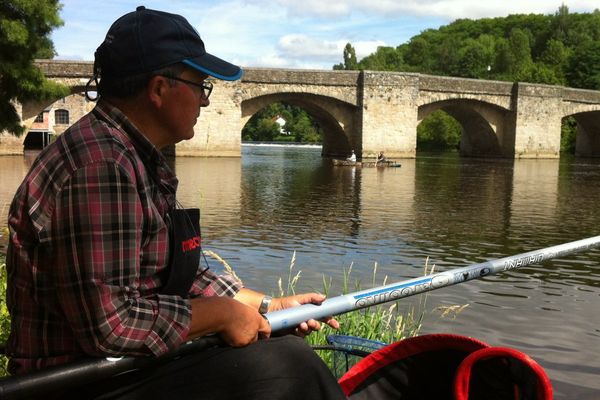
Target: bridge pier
{"type": "Point", "coordinates": [218, 130]}
{"type": "Point", "coordinates": [389, 114]}
{"type": "Point", "coordinates": [538, 116]}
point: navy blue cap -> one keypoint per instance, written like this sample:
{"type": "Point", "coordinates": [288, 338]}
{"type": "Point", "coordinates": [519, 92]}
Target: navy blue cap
{"type": "Point", "coordinates": [146, 40]}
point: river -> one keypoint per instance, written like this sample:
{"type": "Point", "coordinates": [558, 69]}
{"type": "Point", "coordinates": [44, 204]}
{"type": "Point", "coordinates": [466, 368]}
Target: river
{"type": "Point", "coordinates": [274, 201]}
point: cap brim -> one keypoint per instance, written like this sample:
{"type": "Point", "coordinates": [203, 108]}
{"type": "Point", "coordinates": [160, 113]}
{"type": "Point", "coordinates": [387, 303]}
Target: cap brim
{"type": "Point", "coordinates": [214, 66]}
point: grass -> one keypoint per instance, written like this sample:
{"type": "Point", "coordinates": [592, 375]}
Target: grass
{"type": "Point", "coordinates": [386, 323]}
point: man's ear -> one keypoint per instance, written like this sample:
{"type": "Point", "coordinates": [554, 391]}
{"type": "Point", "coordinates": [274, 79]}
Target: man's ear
{"type": "Point", "coordinates": [157, 89]}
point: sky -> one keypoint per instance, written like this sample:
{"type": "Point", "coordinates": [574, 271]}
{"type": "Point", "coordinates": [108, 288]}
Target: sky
{"type": "Point", "coordinates": [305, 34]}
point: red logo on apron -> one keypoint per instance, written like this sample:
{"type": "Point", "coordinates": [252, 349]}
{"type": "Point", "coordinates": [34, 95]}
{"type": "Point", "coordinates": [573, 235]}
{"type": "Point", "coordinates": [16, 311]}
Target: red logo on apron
{"type": "Point", "coordinates": [190, 244]}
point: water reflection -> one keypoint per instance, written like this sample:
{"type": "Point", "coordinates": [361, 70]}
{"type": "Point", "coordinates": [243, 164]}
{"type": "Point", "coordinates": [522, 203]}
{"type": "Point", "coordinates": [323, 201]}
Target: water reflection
{"type": "Point", "coordinates": [214, 185]}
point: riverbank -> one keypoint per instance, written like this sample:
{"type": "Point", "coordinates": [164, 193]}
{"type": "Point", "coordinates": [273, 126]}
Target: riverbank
{"type": "Point", "coordinates": [282, 144]}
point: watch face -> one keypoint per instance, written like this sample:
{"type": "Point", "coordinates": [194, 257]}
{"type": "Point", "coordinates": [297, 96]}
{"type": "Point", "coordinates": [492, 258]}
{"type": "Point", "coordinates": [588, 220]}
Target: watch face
{"type": "Point", "coordinates": [264, 304]}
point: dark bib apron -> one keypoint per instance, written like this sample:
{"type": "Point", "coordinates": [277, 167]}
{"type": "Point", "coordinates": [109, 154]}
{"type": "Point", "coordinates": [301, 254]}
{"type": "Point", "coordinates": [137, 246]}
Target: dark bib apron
{"type": "Point", "coordinates": [185, 247]}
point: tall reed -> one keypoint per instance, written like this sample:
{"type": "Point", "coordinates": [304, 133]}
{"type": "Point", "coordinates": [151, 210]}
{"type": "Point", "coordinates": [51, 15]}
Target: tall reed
{"type": "Point", "coordinates": [384, 323]}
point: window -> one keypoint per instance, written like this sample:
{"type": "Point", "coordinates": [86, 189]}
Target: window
{"type": "Point", "coordinates": [39, 118]}
{"type": "Point", "coordinates": [61, 117]}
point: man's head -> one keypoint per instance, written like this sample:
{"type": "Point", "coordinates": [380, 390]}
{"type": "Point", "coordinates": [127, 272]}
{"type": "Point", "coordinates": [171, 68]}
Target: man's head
{"type": "Point", "coordinates": [144, 42]}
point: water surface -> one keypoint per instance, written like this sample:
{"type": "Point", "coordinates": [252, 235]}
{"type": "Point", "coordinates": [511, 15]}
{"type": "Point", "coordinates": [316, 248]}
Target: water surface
{"type": "Point", "coordinates": [274, 201]}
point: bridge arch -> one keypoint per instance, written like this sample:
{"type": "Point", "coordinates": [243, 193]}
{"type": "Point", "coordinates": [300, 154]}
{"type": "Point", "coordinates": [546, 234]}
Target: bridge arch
{"type": "Point", "coordinates": [587, 139]}
{"type": "Point", "coordinates": [58, 116]}
{"type": "Point", "coordinates": [484, 126]}
{"type": "Point", "coordinates": [335, 117]}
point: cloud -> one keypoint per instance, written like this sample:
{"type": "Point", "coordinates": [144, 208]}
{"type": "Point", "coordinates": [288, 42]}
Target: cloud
{"type": "Point", "coordinates": [296, 45]}
{"type": "Point", "coordinates": [446, 9]}
{"type": "Point", "coordinates": [323, 9]}
{"type": "Point", "coordinates": [303, 48]}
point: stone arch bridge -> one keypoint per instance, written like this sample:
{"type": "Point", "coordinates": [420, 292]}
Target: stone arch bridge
{"type": "Point", "coordinates": [372, 111]}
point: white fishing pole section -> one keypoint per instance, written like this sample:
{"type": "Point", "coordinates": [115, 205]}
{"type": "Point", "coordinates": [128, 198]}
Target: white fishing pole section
{"type": "Point", "coordinates": [291, 317]}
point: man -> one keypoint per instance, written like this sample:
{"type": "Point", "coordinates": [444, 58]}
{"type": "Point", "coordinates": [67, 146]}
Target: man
{"type": "Point", "coordinates": [101, 260]}
{"type": "Point", "coordinates": [352, 157]}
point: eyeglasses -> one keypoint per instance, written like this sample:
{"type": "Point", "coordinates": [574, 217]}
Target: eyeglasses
{"type": "Point", "coordinates": [205, 87]}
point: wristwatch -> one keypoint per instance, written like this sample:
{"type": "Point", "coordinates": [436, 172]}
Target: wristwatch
{"type": "Point", "coordinates": [264, 304]}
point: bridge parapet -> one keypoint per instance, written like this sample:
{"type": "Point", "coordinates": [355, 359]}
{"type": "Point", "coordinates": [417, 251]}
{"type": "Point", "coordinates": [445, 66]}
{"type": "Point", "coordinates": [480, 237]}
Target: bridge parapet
{"type": "Point", "coordinates": [65, 69]}
{"type": "Point", "coordinates": [462, 85]}
{"type": "Point", "coordinates": [301, 76]}
{"type": "Point", "coordinates": [581, 95]}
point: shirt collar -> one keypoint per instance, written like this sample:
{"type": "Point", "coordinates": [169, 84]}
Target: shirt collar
{"type": "Point", "coordinates": [147, 152]}
{"type": "Point", "coordinates": [114, 116]}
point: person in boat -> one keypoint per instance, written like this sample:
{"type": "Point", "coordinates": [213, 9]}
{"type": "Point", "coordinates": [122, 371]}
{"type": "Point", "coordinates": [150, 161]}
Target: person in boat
{"type": "Point", "coordinates": [352, 157]}
{"type": "Point", "coordinates": [102, 261]}
{"type": "Point", "coordinates": [380, 158]}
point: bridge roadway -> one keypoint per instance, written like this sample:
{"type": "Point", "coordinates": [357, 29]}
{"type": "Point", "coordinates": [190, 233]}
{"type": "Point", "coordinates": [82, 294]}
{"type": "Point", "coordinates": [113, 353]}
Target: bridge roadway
{"type": "Point", "coordinates": [372, 111]}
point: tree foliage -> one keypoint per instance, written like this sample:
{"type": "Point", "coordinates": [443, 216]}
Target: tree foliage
{"type": "Point", "coordinates": [558, 49]}
{"type": "Point", "coordinates": [350, 61]}
{"type": "Point", "coordinates": [299, 126]}
{"type": "Point", "coordinates": [25, 26]}
{"type": "Point", "coordinates": [438, 131]}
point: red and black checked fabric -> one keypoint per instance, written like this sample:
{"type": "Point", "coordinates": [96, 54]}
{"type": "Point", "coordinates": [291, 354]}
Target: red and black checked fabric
{"type": "Point", "coordinates": [88, 243]}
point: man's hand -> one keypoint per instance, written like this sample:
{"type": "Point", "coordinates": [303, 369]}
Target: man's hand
{"type": "Point", "coordinates": [305, 328]}
{"type": "Point", "coordinates": [236, 323]}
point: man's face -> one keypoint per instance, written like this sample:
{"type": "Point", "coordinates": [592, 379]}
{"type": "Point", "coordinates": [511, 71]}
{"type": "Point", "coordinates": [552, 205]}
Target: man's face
{"type": "Point", "coordinates": [183, 105]}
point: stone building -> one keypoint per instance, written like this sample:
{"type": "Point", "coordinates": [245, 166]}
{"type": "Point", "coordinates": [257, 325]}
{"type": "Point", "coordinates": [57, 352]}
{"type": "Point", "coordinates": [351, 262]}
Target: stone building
{"type": "Point", "coordinates": [55, 119]}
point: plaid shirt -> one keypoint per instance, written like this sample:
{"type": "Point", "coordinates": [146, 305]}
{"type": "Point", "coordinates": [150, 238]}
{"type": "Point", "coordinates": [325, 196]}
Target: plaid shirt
{"type": "Point", "coordinates": [88, 243]}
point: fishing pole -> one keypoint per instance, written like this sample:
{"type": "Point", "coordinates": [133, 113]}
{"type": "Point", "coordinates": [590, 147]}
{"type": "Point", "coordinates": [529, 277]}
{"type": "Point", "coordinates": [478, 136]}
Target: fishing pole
{"type": "Point", "coordinates": [291, 317]}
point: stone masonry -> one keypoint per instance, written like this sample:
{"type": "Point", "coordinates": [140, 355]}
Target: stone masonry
{"type": "Point", "coordinates": [373, 111]}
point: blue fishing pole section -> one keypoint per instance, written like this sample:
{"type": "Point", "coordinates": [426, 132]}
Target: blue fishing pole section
{"type": "Point", "coordinates": [291, 317]}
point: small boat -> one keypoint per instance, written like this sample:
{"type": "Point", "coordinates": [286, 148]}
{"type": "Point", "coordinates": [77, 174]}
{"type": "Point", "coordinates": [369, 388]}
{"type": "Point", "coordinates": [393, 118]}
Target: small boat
{"type": "Point", "coordinates": [381, 164]}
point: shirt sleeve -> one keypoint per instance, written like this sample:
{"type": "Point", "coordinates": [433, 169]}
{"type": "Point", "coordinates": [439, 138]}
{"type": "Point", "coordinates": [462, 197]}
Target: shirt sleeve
{"type": "Point", "coordinates": [97, 229]}
{"type": "Point", "coordinates": [208, 284]}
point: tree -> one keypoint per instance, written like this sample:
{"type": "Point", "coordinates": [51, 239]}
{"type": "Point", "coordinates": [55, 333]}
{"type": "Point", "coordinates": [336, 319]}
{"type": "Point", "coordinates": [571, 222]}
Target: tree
{"type": "Point", "coordinates": [438, 131]}
{"type": "Point", "coordinates": [350, 61]}
{"type": "Point", "coordinates": [556, 55]}
{"type": "Point", "coordinates": [584, 69]}
{"type": "Point", "coordinates": [299, 124]}
{"type": "Point", "coordinates": [384, 59]}
{"type": "Point", "coordinates": [568, 133]}
{"type": "Point", "coordinates": [520, 51]}
{"type": "Point", "coordinates": [25, 26]}
{"type": "Point", "coordinates": [503, 58]}
{"type": "Point", "coordinates": [304, 129]}
{"type": "Point", "coordinates": [560, 23]}
{"type": "Point", "coordinates": [475, 57]}
{"type": "Point", "coordinates": [417, 53]}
